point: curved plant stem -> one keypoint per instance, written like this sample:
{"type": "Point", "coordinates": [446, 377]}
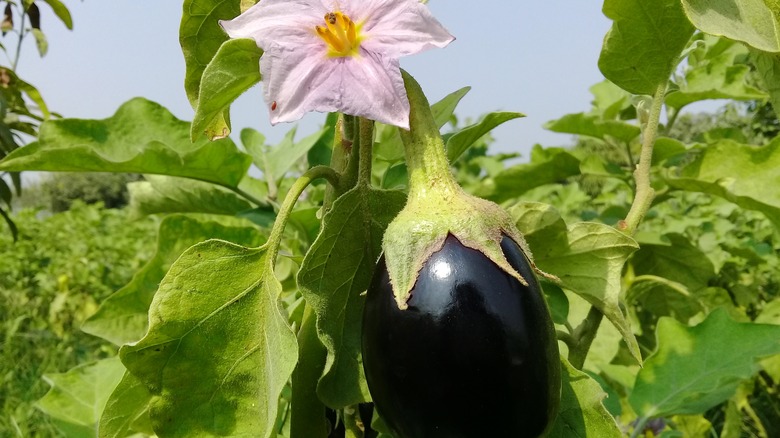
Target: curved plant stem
{"type": "Point", "coordinates": [639, 427]}
{"type": "Point", "coordinates": [289, 202]}
{"type": "Point", "coordinates": [644, 191]}
{"type": "Point", "coordinates": [643, 199]}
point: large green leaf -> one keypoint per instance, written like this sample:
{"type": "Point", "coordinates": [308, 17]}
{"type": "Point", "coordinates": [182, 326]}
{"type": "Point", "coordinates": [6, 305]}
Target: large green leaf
{"type": "Point", "coordinates": [743, 174]}
{"type": "Point", "coordinates": [201, 36]}
{"type": "Point", "coordinates": [142, 137]}
{"type": "Point", "coordinates": [219, 349]}
{"type": "Point", "coordinates": [547, 166]}
{"type": "Point", "coordinates": [594, 126]}
{"type": "Point", "coordinates": [644, 44]}
{"type": "Point", "coordinates": [460, 141]}
{"type": "Point", "coordinates": [234, 69]}
{"type": "Point", "coordinates": [749, 21]}
{"type": "Point", "coordinates": [587, 257]}
{"type": "Point", "coordinates": [582, 413]}
{"type": "Point", "coordinates": [77, 397]}
{"type": "Point", "coordinates": [127, 409]}
{"type": "Point", "coordinates": [167, 194]}
{"type": "Point", "coordinates": [335, 272]}
{"type": "Point", "coordinates": [696, 368]}
{"type": "Point", "coordinates": [123, 317]}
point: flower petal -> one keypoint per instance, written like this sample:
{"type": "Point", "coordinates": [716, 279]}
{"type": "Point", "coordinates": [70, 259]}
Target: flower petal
{"type": "Point", "coordinates": [398, 28]}
{"type": "Point", "coordinates": [282, 22]}
{"type": "Point", "coordinates": [297, 81]}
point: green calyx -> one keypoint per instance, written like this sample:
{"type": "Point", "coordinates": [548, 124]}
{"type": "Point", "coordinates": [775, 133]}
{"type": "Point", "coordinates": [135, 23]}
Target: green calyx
{"type": "Point", "coordinates": [437, 207]}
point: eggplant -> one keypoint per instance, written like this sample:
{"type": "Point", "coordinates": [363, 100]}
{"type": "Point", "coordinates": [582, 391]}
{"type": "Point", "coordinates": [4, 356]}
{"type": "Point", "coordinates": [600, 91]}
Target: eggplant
{"type": "Point", "coordinates": [473, 355]}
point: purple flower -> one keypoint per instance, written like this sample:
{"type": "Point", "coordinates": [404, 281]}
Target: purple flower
{"type": "Point", "coordinates": [322, 55]}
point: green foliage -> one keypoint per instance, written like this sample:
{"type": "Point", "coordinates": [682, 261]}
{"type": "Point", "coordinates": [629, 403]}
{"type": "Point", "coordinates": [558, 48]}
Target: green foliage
{"type": "Point", "coordinates": [349, 243]}
{"type": "Point", "coordinates": [142, 137]}
{"type": "Point", "coordinates": [50, 280]}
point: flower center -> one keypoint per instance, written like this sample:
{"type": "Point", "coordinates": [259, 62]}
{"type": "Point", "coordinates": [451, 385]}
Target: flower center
{"type": "Point", "coordinates": [340, 34]}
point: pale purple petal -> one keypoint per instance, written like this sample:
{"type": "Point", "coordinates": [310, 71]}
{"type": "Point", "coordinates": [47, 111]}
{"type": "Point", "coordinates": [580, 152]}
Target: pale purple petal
{"type": "Point", "coordinates": [369, 86]}
{"type": "Point", "coordinates": [398, 28]}
{"type": "Point", "coordinates": [282, 22]}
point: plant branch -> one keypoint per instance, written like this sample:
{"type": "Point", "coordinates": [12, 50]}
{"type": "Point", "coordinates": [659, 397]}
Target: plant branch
{"type": "Point", "coordinates": [583, 337]}
{"type": "Point", "coordinates": [644, 195]}
{"type": "Point", "coordinates": [297, 188]}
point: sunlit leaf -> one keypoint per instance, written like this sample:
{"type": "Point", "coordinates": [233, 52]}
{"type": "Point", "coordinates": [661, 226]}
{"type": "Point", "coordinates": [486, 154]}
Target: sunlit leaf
{"type": "Point", "coordinates": [123, 317]}
{"type": "Point", "coordinates": [142, 137]}
{"type": "Point", "coordinates": [201, 36]}
{"type": "Point", "coordinates": [234, 69]}
{"type": "Point", "coordinates": [335, 272]}
{"type": "Point", "coordinates": [61, 11]}
{"type": "Point", "coordinates": [743, 174]}
{"type": "Point", "coordinates": [167, 194]}
{"type": "Point", "coordinates": [593, 126]}
{"type": "Point", "coordinates": [721, 74]}
{"type": "Point", "coordinates": [588, 258]}
{"type": "Point", "coordinates": [749, 21]}
{"type": "Point", "coordinates": [644, 44]}
{"type": "Point", "coordinates": [219, 349]}
{"type": "Point", "coordinates": [459, 142]}
{"type": "Point", "coordinates": [696, 368]}
{"type": "Point", "coordinates": [127, 409]}
{"type": "Point", "coordinates": [547, 166]}
{"type": "Point", "coordinates": [77, 397]}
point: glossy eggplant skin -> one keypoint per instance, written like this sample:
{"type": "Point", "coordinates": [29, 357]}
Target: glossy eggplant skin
{"type": "Point", "coordinates": [474, 355]}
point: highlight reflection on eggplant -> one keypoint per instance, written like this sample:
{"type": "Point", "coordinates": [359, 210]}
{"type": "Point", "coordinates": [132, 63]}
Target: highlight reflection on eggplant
{"type": "Point", "coordinates": [474, 355]}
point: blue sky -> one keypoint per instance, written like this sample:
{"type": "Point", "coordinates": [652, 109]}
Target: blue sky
{"type": "Point", "coordinates": [538, 58]}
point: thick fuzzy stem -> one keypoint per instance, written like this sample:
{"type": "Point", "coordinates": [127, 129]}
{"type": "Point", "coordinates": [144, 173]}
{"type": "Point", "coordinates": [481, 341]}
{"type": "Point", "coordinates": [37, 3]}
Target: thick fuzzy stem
{"type": "Point", "coordinates": [426, 157]}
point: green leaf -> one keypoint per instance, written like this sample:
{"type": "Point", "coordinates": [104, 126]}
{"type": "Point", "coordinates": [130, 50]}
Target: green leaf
{"type": "Point", "coordinates": [283, 156]}
{"type": "Point", "coordinates": [234, 69]}
{"type": "Point", "coordinates": [123, 317]}
{"type": "Point", "coordinates": [219, 349]}
{"type": "Point", "coordinates": [142, 137]}
{"type": "Point", "coordinates": [768, 69]}
{"type": "Point", "coordinates": [609, 100]}
{"type": "Point", "coordinates": [11, 225]}
{"type": "Point", "coordinates": [743, 174]}
{"type": "Point", "coordinates": [61, 11]}
{"type": "Point", "coordinates": [335, 272]}
{"type": "Point", "coordinates": [77, 397]}
{"type": "Point", "coordinates": [718, 76]}
{"type": "Point", "coordinates": [168, 194]}
{"type": "Point", "coordinates": [40, 42]}
{"type": "Point", "coordinates": [678, 261]}
{"type": "Point", "coordinates": [594, 126]}
{"type": "Point", "coordinates": [588, 258]}
{"type": "Point", "coordinates": [749, 21]}
{"type": "Point", "coordinates": [34, 95]}
{"type": "Point", "coordinates": [644, 44]}
{"type": "Point", "coordinates": [548, 165]}
{"type": "Point", "coordinates": [443, 109]}
{"type": "Point", "coordinates": [460, 141]}
{"type": "Point", "coordinates": [696, 368]}
{"type": "Point", "coordinates": [201, 36]}
{"type": "Point", "coordinates": [127, 410]}
{"type": "Point", "coordinates": [582, 413]}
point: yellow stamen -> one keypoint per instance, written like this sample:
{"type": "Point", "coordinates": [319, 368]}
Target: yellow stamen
{"type": "Point", "coordinates": [340, 34]}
